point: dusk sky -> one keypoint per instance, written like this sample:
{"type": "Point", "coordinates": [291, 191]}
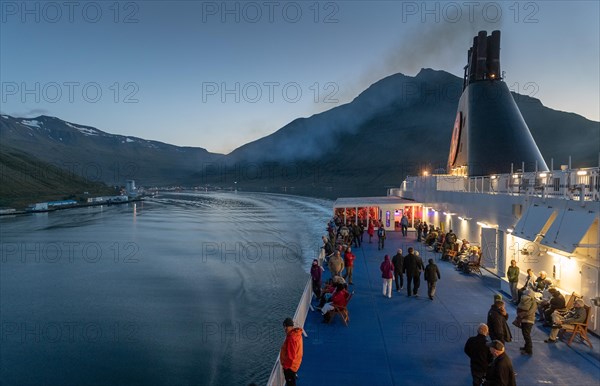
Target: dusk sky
{"type": "Point", "coordinates": [220, 74]}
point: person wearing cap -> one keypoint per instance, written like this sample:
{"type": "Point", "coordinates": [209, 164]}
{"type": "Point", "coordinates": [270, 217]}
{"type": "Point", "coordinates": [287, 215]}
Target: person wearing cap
{"type": "Point", "coordinates": [290, 355]}
{"type": "Point", "coordinates": [513, 280]}
{"type": "Point", "coordinates": [576, 315]}
{"type": "Point", "coordinates": [526, 312]}
{"type": "Point", "coordinates": [496, 321]}
{"type": "Point", "coordinates": [431, 276]}
{"type": "Point", "coordinates": [477, 350]}
{"type": "Point", "coordinates": [556, 302]}
{"type": "Point", "coordinates": [500, 372]}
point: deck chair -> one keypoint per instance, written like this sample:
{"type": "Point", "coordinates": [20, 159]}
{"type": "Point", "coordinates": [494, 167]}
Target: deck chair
{"type": "Point", "coordinates": [475, 267]}
{"type": "Point", "coordinates": [343, 311]}
{"type": "Point", "coordinates": [580, 328]}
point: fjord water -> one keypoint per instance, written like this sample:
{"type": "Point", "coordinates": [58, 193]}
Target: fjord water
{"type": "Point", "coordinates": [180, 289]}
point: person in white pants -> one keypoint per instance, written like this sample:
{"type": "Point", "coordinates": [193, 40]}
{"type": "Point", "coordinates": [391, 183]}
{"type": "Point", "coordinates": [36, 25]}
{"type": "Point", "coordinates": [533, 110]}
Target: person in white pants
{"type": "Point", "coordinates": [387, 274]}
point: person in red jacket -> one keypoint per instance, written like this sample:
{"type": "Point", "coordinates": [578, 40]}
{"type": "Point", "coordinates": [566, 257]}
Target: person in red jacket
{"type": "Point", "coordinates": [371, 231]}
{"type": "Point", "coordinates": [291, 352]}
{"type": "Point", "coordinates": [338, 299]}
{"type": "Point", "coordinates": [349, 258]}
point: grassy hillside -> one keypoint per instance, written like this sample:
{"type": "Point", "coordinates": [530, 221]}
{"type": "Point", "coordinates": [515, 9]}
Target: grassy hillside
{"type": "Point", "coordinates": [25, 180]}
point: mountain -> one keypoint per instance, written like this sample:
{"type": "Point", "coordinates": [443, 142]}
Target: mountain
{"type": "Point", "coordinates": [399, 126]}
{"type": "Point", "coordinates": [25, 180]}
{"type": "Point", "coordinates": [100, 156]}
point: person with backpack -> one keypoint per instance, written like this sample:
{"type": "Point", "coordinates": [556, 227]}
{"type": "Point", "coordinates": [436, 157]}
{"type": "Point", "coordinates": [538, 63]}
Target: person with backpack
{"type": "Point", "coordinates": [380, 237]}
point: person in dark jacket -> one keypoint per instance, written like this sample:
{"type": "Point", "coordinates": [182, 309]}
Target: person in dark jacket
{"type": "Point", "coordinates": [496, 321]}
{"type": "Point", "coordinates": [413, 265]}
{"type": "Point", "coordinates": [557, 302]}
{"type": "Point", "coordinates": [477, 350]}
{"type": "Point", "coordinates": [398, 261]}
{"type": "Point", "coordinates": [500, 371]}
{"type": "Point", "coordinates": [431, 276]}
{"type": "Point", "coordinates": [513, 280]}
{"type": "Point", "coordinates": [315, 274]}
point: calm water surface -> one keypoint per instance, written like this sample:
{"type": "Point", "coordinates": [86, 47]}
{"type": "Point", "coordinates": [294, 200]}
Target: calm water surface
{"type": "Point", "coordinates": [180, 289]}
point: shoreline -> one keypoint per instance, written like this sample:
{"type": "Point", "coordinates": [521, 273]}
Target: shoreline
{"type": "Point", "coordinates": [74, 206]}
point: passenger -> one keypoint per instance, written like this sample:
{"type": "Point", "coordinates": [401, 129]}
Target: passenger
{"type": "Point", "coordinates": [404, 225]}
{"type": "Point", "coordinates": [425, 229]}
{"type": "Point", "coordinates": [327, 247]}
{"type": "Point", "coordinates": [336, 264]}
{"type": "Point", "coordinates": [349, 258]}
{"type": "Point", "coordinates": [398, 261]}
{"type": "Point", "coordinates": [557, 302]}
{"type": "Point", "coordinates": [526, 313]}
{"type": "Point", "coordinates": [477, 350]}
{"type": "Point", "coordinates": [500, 371]}
{"type": "Point", "coordinates": [528, 283]}
{"type": "Point", "coordinates": [371, 231]}
{"type": "Point", "coordinates": [513, 281]}
{"type": "Point", "coordinates": [413, 265]}
{"type": "Point", "coordinates": [361, 229]}
{"type": "Point", "coordinates": [431, 275]}
{"type": "Point", "coordinates": [387, 273]}
{"type": "Point", "coordinates": [542, 283]}
{"type": "Point", "coordinates": [380, 237]}
{"type": "Point", "coordinates": [356, 235]}
{"type": "Point", "coordinates": [496, 321]}
{"type": "Point", "coordinates": [576, 315]}
{"type": "Point", "coordinates": [315, 274]}
{"type": "Point", "coordinates": [338, 299]}
{"type": "Point", "coordinates": [419, 229]}
{"type": "Point", "coordinates": [290, 355]}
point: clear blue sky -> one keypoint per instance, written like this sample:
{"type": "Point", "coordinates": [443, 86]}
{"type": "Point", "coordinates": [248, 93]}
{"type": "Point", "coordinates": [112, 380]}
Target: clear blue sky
{"type": "Point", "coordinates": [174, 61]}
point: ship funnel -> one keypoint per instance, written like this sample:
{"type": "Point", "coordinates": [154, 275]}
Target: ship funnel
{"type": "Point", "coordinates": [489, 132]}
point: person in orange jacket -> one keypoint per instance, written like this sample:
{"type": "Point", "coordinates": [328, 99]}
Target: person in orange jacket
{"type": "Point", "coordinates": [291, 352]}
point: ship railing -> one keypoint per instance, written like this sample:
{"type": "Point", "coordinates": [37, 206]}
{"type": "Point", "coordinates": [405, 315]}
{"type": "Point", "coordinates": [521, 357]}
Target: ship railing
{"type": "Point", "coordinates": [277, 378]}
{"type": "Point", "coordinates": [572, 184]}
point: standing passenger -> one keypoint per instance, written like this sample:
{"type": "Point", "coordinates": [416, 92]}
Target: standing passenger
{"type": "Point", "coordinates": [477, 350]}
{"type": "Point", "coordinates": [380, 237]}
{"type": "Point", "coordinates": [290, 355]}
{"type": "Point", "coordinates": [371, 231]}
{"type": "Point", "coordinates": [387, 273]}
{"type": "Point", "coordinates": [513, 280]}
{"type": "Point", "coordinates": [432, 275]}
{"type": "Point", "coordinates": [398, 261]}
{"type": "Point", "coordinates": [349, 258]}
{"type": "Point", "coordinates": [413, 265]}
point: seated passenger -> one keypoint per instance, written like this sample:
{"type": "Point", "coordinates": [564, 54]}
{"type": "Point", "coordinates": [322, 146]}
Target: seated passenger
{"type": "Point", "coordinates": [338, 299]}
{"type": "Point", "coordinates": [576, 315]}
{"type": "Point", "coordinates": [547, 308]}
{"type": "Point", "coordinates": [541, 283]}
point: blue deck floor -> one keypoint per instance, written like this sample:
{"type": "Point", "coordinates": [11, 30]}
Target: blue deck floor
{"type": "Point", "coordinates": [416, 341]}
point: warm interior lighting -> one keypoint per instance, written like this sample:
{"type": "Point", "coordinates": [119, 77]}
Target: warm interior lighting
{"type": "Point", "coordinates": [515, 176]}
{"type": "Point", "coordinates": [425, 173]}
{"type": "Point", "coordinates": [494, 177]}
{"type": "Point", "coordinates": [543, 175]}
{"type": "Point", "coordinates": [582, 173]}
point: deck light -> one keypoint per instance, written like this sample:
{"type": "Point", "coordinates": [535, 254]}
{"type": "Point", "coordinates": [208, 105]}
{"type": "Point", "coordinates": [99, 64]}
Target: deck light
{"type": "Point", "coordinates": [582, 173]}
{"type": "Point", "coordinates": [515, 176]}
{"type": "Point", "coordinates": [510, 230]}
{"type": "Point", "coordinates": [543, 175]}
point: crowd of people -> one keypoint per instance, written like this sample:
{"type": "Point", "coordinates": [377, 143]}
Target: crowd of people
{"type": "Point", "coordinates": [490, 364]}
